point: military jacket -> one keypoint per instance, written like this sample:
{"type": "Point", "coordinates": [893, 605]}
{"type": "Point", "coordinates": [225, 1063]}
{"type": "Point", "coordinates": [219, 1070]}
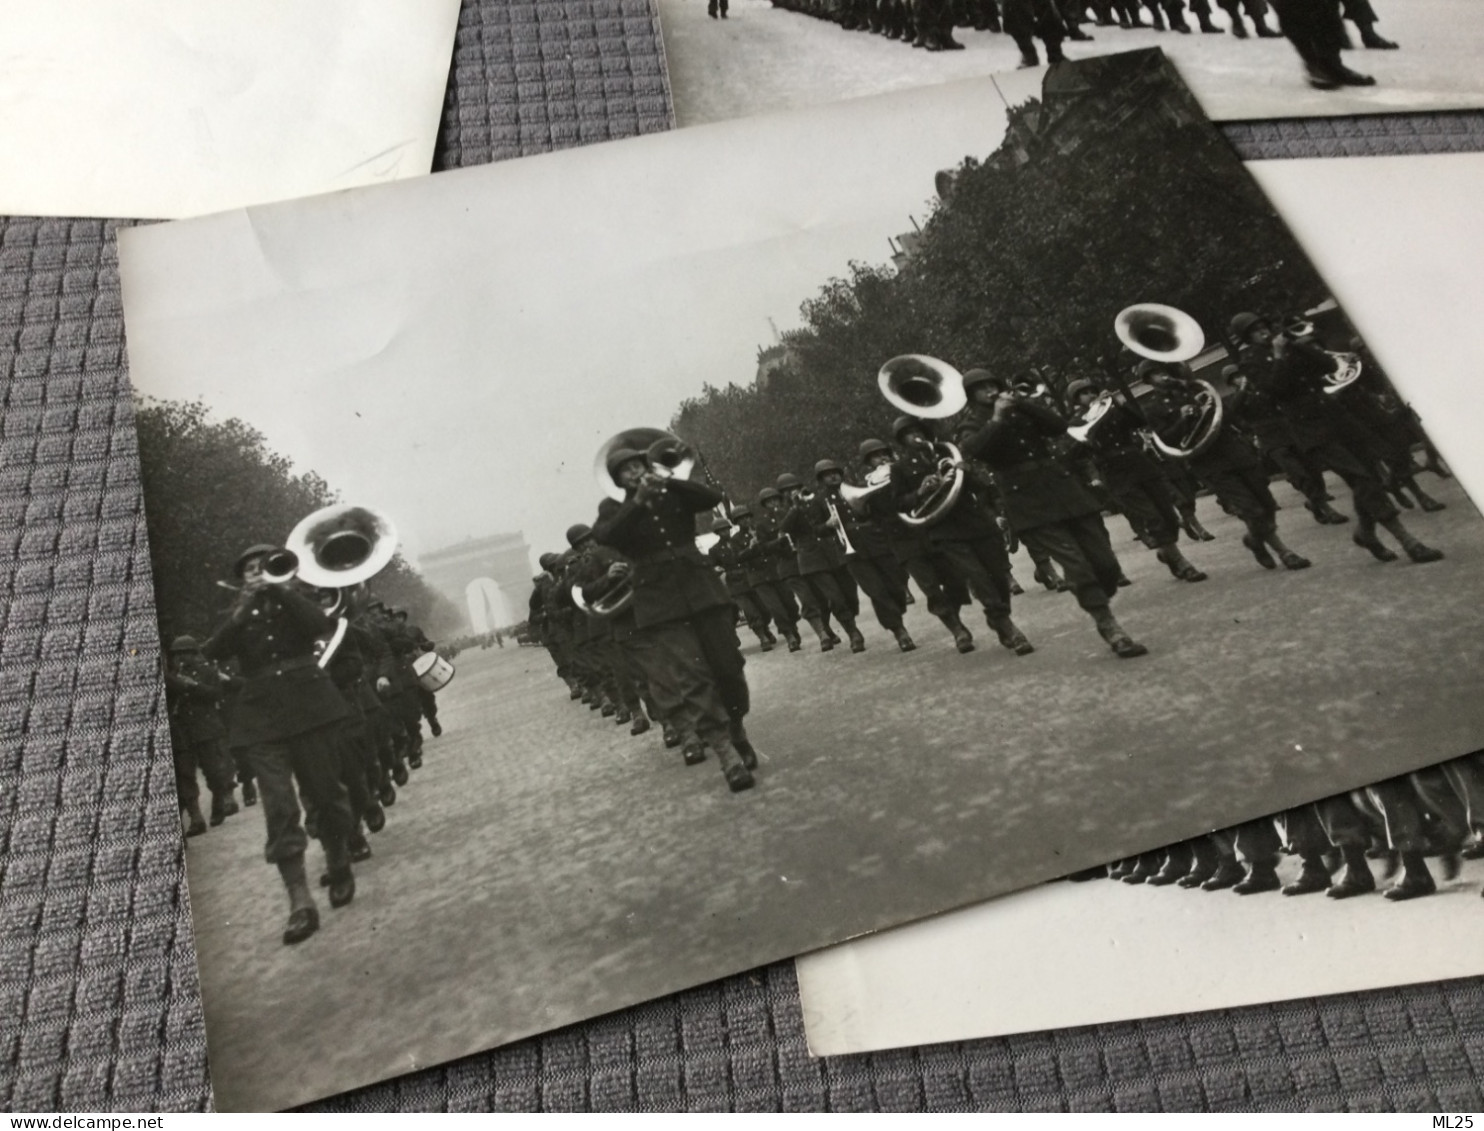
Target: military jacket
{"type": "Point", "coordinates": [1036, 486]}
{"type": "Point", "coordinates": [1296, 382]}
{"type": "Point", "coordinates": [818, 547]}
{"type": "Point", "coordinates": [1118, 445]}
{"type": "Point", "coordinates": [726, 556]}
{"type": "Point", "coordinates": [757, 560]}
{"type": "Point", "coordinates": [965, 521]}
{"type": "Point", "coordinates": [672, 578]}
{"type": "Point", "coordinates": [285, 692]}
{"type": "Point", "coordinates": [868, 538]}
{"type": "Point", "coordinates": [195, 690]}
{"type": "Point", "coordinates": [778, 545]}
{"type": "Point", "coordinates": [1227, 452]}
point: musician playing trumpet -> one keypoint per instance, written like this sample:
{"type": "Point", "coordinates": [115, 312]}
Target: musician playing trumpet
{"type": "Point", "coordinates": [288, 716]}
{"type": "Point", "coordinates": [868, 555]}
{"type": "Point", "coordinates": [685, 634]}
{"type": "Point", "coordinates": [1046, 504]}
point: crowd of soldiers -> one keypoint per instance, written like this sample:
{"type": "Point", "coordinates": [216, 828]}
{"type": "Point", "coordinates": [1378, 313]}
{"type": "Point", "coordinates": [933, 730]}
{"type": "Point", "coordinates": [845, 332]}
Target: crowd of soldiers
{"type": "Point", "coordinates": [1434, 813]}
{"type": "Point", "coordinates": [1316, 28]}
{"type": "Point", "coordinates": [252, 706]}
{"type": "Point", "coordinates": [641, 623]}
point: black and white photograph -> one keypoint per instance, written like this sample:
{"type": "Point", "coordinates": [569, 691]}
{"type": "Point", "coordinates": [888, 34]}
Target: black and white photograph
{"type": "Point", "coordinates": [1244, 59]}
{"type": "Point", "coordinates": [636, 564]}
{"type": "Point", "coordinates": [1371, 888]}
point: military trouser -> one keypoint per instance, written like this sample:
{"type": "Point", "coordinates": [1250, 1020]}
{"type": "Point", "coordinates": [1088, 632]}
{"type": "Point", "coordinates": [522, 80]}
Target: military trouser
{"type": "Point", "coordinates": [1446, 820]}
{"type": "Point", "coordinates": [1372, 503]}
{"type": "Point", "coordinates": [620, 686]}
{"type": "Point", "coordinates": [210, 756]}
{"type": "Point", "coordinates": [778, 601]}
{"type": "Point", "coordinates": [1242, 492]}
{"type": "Point", "coordinates": [1394, 803]}
{"type": "Point", "coordinates": [695, 670]}
{"type": "Point", "coordinates": [982, 565]}
{"type": "Point", "coordinates": [875, 581]}
{"type": "Point", "coordinates": [427, 702]}
{"type": "Point", "coordinates": [1256, 842]}
{"type": "Point", "coordinates": [1150, 507]}
{"type": "Point", "coordinates": [358, 768]}
{"type": "Point", "coordinates": [310, 760]}
{"type": "Point", "coordinates": [945, 593]}
{"type": "Point", "coordinates": [1082, 549]}
{"type": "Point", "coordinates": [819, 596]}
{"type": "Point", "coordinates": [1333, 822]}
{"type": "Point", "coordinates": [752, 612]}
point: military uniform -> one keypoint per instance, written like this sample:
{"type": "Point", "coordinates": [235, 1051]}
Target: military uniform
{"type": "Point", "coordinates": [288, 716]}
{"type": "Point", "coordinates": [726, 556]}
{"type": "Point", "coordinates": [195, 690]}
{"type": "Point", "coordinates": [1048, 506]}
{"type": "Point", "coordinates": [760, 566]}
{"type": "Point", "coordinates": [687, 633]}
{"type": "Point", "coordinates": [869, 559]}
{"type": "Point", "coordinates": [822, 567]}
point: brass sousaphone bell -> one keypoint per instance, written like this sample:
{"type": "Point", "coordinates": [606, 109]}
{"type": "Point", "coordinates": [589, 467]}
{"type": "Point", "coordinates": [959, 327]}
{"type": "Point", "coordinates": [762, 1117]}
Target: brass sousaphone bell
{"type": "Point", "coordinates": [928, 389]}
{"type": "Point", "coordinates": [338, 547]}
{"type": "Point", "coordinates": [1167, 334]}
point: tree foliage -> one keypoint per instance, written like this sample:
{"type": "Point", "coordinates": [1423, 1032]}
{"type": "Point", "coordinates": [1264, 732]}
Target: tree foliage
{"type": "Point", "coordinates": [215, 487]}
{"type": "Point", "coordinates": [1110, 189]}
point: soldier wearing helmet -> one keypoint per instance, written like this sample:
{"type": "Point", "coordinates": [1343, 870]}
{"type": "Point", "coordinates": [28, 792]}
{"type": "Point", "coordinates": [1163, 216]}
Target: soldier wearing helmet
{"type": "Point", "coordinates": [869, 560]}
{"type": "Point", "coordinates": [823, 580]}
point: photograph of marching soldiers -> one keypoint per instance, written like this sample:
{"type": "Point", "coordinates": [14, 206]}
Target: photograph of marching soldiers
{"type": "Point", "coordinates": [1036, 507]}
{"type": "Point", "coordinates": [1243, 58]}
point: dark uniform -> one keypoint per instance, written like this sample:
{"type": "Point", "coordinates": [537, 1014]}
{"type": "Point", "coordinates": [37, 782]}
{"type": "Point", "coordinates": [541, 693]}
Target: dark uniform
{"type": "Point", "coordinates": [195, 690]}
{"type": "Point", "coordinates": [288, 716]}
{"type": "Point", "coordinates": [760, 566]}
{"type": "Point", "coordinates": [1136, 479]}
{"type": "Point", "coordinates": [1048, 506]}
{"type": "Point", "coordinates": [726, 556]}
{"type": "Point", "coordinates": [821, 563]}
{"type": "Point", "coordinates": [1317, 32]}
{"type": "Point", "coordinates": [776, 542]}
{"type": "Point", "coordinates": [687, 632]}
{"type": "Point", "coordinates": [867, 551]}
{"type": "Point", "coordinates": [1294, 375]}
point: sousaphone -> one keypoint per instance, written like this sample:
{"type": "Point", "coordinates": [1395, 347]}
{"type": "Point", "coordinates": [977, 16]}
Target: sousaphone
{"type": "Point", "coordinates": [338, 547]}
{"type": "Point", "coordinates": [929, 389]}
{"type": "Point", "coordinates": [1167, 334]}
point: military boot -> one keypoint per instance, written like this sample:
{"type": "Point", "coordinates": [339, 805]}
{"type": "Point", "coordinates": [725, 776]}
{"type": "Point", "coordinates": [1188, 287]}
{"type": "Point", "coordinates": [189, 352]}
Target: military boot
{"type": "Point", "coordinates": [743, 745]}
{"type": "Point", "coordinates": [641, 724]}
{"type": "Point", "coordinates": [1227, 873]}
{"type": "Point", "coordinates": [794, 643]}
{"type": "Point", "coordinates": [1176, 865]}
{"type": "Point", "coordinates": [1123, 645]}
{"type": "Point", "coordinates": [1409, 543]}
{"type": "Point", "coordinates": [303, 914]}
{"type": "Point", "coordinates": [1178, 564]}
{"type": "Point", "coordinates": [249, 793]}
{"type": "Point", "coordinates": [342, 879]}
{"type": "Point", "coordinates": [358, 848]}
{"type": "Point", "coordinates": [1365, 538]}
{"type": "Point", "coordinates": [963, 639]}
{"type": "Point", "coordinates": [1262, 875]}
{"type": "Point", "coordinates": [1259, 551]}
{"type": "Point", "coordinates": [197, 825]}
{"type": "Point", "coordinates": [1314, 877]}
{"type": "Point", "coordinates": [1203, 862]}
{"type": "Point", "coordinates": [904, 639]}
{"type": "Point", "coordinates": [857, 641]}
{"type": "Point", "coordinates": [1009, 636]}
{"type": "Point", "coordinates": [693, 750]}
{"type": "Point", "coordinates": [826, 638]}
{"type": "Point", "coordinates": [671, 735]}
{"type": "Point", "coordinates": [1192, 527]}
{"type": "Point", "coordinates": [1416, 879]}
{"type": "Point", "coordinates": [1355, 877]}
{"type": "Point", "coordinates": [738, 776]}
{"type": "Point", "coordinates": [375, 817]}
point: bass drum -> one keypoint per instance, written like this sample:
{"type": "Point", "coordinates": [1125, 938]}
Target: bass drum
{"type": "Point", "coordinates": [432, 671]}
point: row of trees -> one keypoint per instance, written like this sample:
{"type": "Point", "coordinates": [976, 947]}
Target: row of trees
{"type": "Point", "coordinates": [1110, 189]}
{"type": "Point", "coordinates": [214, 487]}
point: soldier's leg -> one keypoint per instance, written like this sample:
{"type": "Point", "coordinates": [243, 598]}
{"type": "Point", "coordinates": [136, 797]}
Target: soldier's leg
{"type": "Point", "coordinates": [427, 701]}
{"type": "Point", "coordinates": [1466, 776]}
{"type": "Point", "coordinates": [1257, 10]}
{"type": "Point", "coordinates": [1346, 828]}
{"type": "Point", "coordinates": [1201, 10]}
{"type": "Point", "coordinates": [756, 617]}
{"type": "Point", "coordinates": [872, 578]}
{"type": "Point", "coordinates": [1256, 845]}
{"type": "Point", "coordinates": [781, 607]}
{"type": "Point", "coordinates": [1395, 800]}
{"type": "Point", "coordinates": [315, 759]}
{"type": "Point", "coordinates": [1077, 547]}
{"type": "Point", "coordinates": [1363, 16]}
{"type": "Point", "coordinates": [833, 596]}
{"type": "Point", "coordinates": [352, 771]}
{"type": "Point", "coordinates": [812, 610]}
{"type": "Point", "coordinates": [1162, 521]}
{"type": "Point", "coordinates": [1304, 835]}
{"type": "Point", "coordinates": [943, 594]}
{"type": "Point", "coordinates": [1228, 871]}
{"type": "Point", "coordinates": [286, 841]}
{"type": "Point", "coordinates": [1373, 507]}
{"type": "Point", "coordinates": [187, 789]}
{"type": "Point", "coordinates": [239, 758]}
{"type": "Point", "coordinates": [211, 755]}
{"type": "Point", "coordinates": [985, 566]}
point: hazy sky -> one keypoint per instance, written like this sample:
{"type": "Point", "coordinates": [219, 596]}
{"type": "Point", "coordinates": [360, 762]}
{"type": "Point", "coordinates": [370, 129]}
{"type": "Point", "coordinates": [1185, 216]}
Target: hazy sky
{"type": "Point", "coordinates": [454, 349]}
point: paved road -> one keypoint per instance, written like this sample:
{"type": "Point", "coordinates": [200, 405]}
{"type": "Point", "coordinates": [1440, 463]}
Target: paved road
{"type": "Point", "coordinates": [545, 867]}
{"type": "Point", "coordinates": [763, 58]}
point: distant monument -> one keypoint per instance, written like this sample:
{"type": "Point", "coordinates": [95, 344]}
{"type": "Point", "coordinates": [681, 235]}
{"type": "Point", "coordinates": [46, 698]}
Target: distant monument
{"type": "Point", "coordinates": [490, 577]}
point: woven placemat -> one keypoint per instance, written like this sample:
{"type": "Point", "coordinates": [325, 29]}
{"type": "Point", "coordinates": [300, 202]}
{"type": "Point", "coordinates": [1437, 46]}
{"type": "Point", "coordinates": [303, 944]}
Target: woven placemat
{"type": "Point", "coordinates": [99, 1001]}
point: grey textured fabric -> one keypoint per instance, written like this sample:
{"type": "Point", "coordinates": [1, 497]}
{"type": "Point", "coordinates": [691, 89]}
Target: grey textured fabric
{"type": "Point", "coordinates": [99, 1002]}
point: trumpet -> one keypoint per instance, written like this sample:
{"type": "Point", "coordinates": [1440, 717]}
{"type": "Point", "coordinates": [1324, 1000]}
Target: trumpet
{"type": "Point", "coordinates": [877, 480]}
{"type": "Point", "coordinates": [839, 526]}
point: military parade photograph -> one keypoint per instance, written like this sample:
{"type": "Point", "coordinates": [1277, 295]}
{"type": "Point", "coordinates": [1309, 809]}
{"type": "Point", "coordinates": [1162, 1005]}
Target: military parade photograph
{"type": "Point", "coordinates": [590, 576]}
{"type": "Point", "coordinates": [1244, 59]}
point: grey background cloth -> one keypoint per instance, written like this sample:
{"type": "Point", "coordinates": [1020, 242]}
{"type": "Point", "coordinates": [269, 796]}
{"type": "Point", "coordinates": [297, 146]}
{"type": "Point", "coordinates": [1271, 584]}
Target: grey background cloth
{"type": "Point", "coordinates": [99, 1001]}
